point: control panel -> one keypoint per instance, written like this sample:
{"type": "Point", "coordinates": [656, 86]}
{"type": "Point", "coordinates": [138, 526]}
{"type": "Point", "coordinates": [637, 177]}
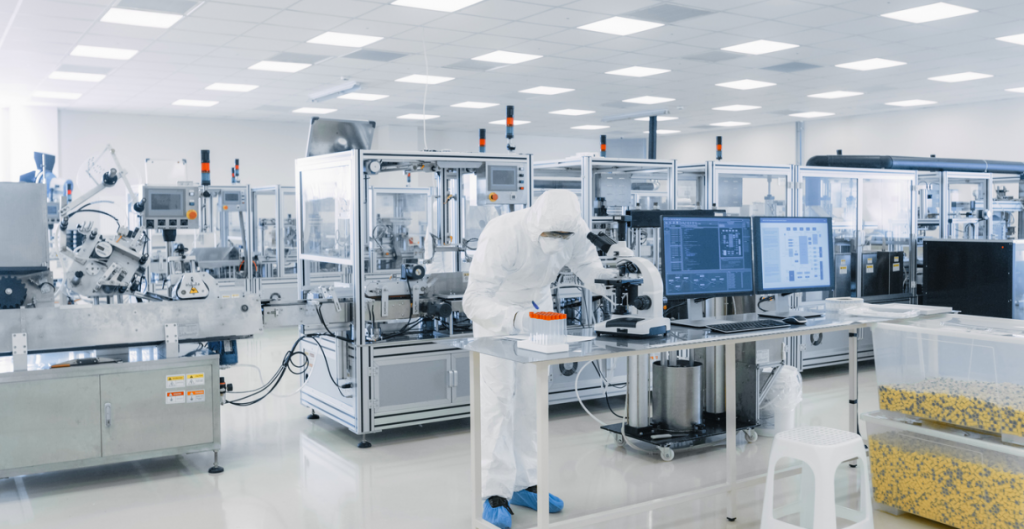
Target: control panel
{"type": "Point", "coordinates": [231, 201]}
{"type": "Point", "coordinates": [170, 207]}
{"type": "Point", "coordinates": [501, 184]}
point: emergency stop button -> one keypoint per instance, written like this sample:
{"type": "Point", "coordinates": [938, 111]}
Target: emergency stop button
{"type": "Point", "coordinates": [493, 197]}
{"type": "Point", "coordinates": [191, 214]}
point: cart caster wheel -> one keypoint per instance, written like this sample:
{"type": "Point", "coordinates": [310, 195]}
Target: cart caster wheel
{"type": "Point", "coordinates": [667, 454]}
{"type": "Point", "coordinates": [216, 469]}
{"type": "Point", "coordinates": [750, 435]}
{"type": "Point", "coordinates": [730, 519]}
{"type": "Point", "coordinates": [619, 440]}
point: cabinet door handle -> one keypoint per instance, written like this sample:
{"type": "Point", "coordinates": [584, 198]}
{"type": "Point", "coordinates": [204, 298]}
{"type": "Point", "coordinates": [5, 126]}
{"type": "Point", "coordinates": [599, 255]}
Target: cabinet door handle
{"type": "Point", "coordinates": [106, 412]}
{"type": "Point", "coordinates": [455, 378]}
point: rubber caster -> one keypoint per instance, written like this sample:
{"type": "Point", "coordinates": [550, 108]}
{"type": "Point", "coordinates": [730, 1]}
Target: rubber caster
{"type": "Point", "coordinates": [667, 454]}
{"type": "Point", "coordinates": [750, 435]}
{"type": "Point", "coordinates": [619, 440]}
{"type": "Point", "coordinates": [312, 415]}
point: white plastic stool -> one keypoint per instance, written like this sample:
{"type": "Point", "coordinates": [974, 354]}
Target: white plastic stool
{"type": "Point", "coordinates": [823, 450]}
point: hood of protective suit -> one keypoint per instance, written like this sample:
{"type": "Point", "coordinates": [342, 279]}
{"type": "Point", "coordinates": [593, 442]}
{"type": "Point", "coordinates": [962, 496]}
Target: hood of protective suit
{"type": "Point", "coordinates": [555, 210]}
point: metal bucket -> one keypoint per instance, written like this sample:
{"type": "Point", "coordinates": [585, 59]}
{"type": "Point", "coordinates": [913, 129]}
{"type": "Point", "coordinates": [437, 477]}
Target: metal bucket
{"type": "Point", "coordinates": [677, 395]}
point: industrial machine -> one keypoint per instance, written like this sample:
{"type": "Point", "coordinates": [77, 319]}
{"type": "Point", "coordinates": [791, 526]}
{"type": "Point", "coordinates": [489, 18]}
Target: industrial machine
{"type": "Point", "coordinates": [275, 244]}
{"type": "Point", "coordinates": [980, 278]}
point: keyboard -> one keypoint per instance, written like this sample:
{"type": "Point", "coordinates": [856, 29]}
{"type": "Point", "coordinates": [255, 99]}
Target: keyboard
{"type": "Point", "coordinates": [746, 326]}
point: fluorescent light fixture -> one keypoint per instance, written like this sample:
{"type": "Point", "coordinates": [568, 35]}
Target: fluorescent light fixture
{"type": "Point", "coordinates": [56, 95]}
{"type": "Point", "coordinates": [77, 76]}
{"type": "Point", "coordinates": [146, 19]}
{"type": "Point", "coordinates": [424, 79]}
{"type": "Point", "coordinates": [638, 71]}
{"type": "Point", "coordinates": [620, 26]}
{"type": "Point", "coordinates": [349, 40]}
{"type": "Point", "coordinates": [571, 112]}
{"type": "Point", "coordinates": [194, 103]}
{"type": "Point", "coordinates": [506, 57]}
{"type": "Point", "coordinates": [812, 114]}
{"type": "Point", "coordinates": [420, 117]}
{"type": "Point", "coordinates": [663, 131]}
{"type": "Point", "coordinates": [591, 127]}
{"type": "Point", "coordinates": [474, 104]}
{"type": "Point", "coordinates": [836, 94]}
{"type": "Point", "coordinates": [359, 96]}
{"type": "Point", "coordinates": [870, 64]}
{"type": "Point", "coordinates": [960, 77]}
{"type": "Point", "coordinates": [516, 122]}
{"type": "Point", "coordinates": [229, 87]}
{"type": "Point", "coordinates": [730, 124]}
{"type": "Point", "coordinates": [745, 84]}
{"type": "Point", "coordinates": [312, 110]}
{"type": "Point", "coordinates": [98, 52]}
{"type": "Point", "coordinates": [1017, 90]}
{"type": "Point", "coordinates": [347, 86]}
{"type": "Point", "coordinates": [546, 90]}
{"type": "Point", "coordinates": [911, 103]}
{"type": "Point", "coordinates": [660, 118]}
{"type": "Point", "coordinates": [648, 100]}
{"type": "Point", "coordinates": [278, 66]}
{"type": "Point", "coordinates": [448, 6]}
{"type": "Point", "coordinates": [736, 108]}
{"type": "Point", "coordinates": [930, 13]}
{"type": "Point", "coordinates": [1013, 39]}
{"type": "Point", "coordinates": [760, 47]}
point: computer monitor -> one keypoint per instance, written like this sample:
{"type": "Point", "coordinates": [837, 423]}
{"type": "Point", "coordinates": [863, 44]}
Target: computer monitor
{"type": "Point", "coordinates": [706, 257]}
{"type": "Point", "coordinates": [793, 254]}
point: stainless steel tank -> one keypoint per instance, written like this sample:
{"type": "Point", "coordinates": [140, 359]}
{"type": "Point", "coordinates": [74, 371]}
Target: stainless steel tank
{"type": "Point", "coordinates": [677, 395]}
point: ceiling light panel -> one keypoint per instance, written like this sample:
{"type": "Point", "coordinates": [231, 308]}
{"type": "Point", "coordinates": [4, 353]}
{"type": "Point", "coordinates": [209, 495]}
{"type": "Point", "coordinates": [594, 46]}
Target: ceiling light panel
{"type": "Point", "coordinates": [278, 66]}
{"type": "Point", "coordinates": [313, 110]}
{"type": "Point", "coordinates": [870, 64]}
{"type": "Point", "coordinates": [637, 71]}
{"type": "Point", "coordinates": [745, 84]}
{"type": "Point", "coordinates": [420, 117]}
{"type": "Point", "coordinates": [836, 94]}
{"type": "Point", "coordinates": [930, 13]}
{"type": "Point", "coordinates": [648, 100]}
{"type": "Point", "coordinates": [730, 124]}
{"type": "Point", "coordinates": [424, 79]}
{"type": "Point", "coordinates": [571, 112]}
{"type": "Point", "coordinates": [1013, 39]}
{"type": "Point", "coordinates": [474, 104]}
{"type": "Point", "coordinates": [960, 77]}
{"type": "Point", "coordinates": [663, 131]}
{"type": "Point", "coordinates": [507, 57]}
{"type": "Point", "coordinates": [77, 76]}
{"type": "Point", "coordinates": [515, 122]}
{"type": "Point", "coordinates": [194, 103]}
{"type": "Point", "coordinates": [620, 26]}
{"type": "Point", "coordinates": [447, 6]}
{"type": "Point", "coordinates": [660, 118]}
{"type": "Point", "coordinates": [546, 90]}
{"type": "Point", "coordinates": [230, 87]}
{"type": "Point", "coordinates": [360, 96]}
{"type": "Point", "coordinates": [911, 103]}
{"type": "Point", "coordinates": [1017, 90]}
{"type": "Point", "coordinates": [98, 52]}
{"type": "Point", "coordinates": [349, 40]}
{"type": "Point", "coordinates": [57, 95]}
{"type": "Point", "coordinates": [146, 19]}
{"type": "Point", "coordinates": [812, 114]}
{"type": "Point", "coordinates": [591, 127]}
{"type": "Point", "coordinates": [760, 47]}
{"type": "Point", "coordinates": [736, 108]}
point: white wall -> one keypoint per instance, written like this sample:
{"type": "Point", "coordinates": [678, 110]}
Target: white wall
{"type": "Point", "coordinates": [768, 145]}
{"type": "Point", "coordinates": [23, 131]}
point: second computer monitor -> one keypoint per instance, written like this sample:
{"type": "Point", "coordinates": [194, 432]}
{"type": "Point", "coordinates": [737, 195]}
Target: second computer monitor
{"type": "Point", "coordinates": [793, 254]}
{"type": "Point", "coordinates": [705, 257]}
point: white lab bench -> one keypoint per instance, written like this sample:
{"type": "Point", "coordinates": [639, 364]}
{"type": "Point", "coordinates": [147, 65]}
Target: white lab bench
{"type": "Point", "coordinates": [678, 338]}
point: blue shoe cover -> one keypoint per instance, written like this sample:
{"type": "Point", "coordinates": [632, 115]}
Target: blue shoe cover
{"type": "Point", "coordinates": [528, 498]}
{"type": "Point", "coordinates": [497, 512]}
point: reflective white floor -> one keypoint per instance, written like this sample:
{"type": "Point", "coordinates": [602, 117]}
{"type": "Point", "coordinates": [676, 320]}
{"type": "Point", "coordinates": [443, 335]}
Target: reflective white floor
{"type": "Point", "coordinates": [283, 470]}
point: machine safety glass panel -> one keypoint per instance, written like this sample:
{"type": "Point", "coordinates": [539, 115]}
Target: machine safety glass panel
{"type": "Point", "coordinates": [621, 187]}
{"type": "Point", "coordinates": [401, 224]}
{"type": "Point", "coordinates": [835, 198]}
{"type": "Point", "coordinates": [690, 189]}
{"type": "Point", "coordinates": [327, 213]}
{"type": "Point", "coordinates": [752, 195]}
{"type": "Point", "coordinates": [275, 231]}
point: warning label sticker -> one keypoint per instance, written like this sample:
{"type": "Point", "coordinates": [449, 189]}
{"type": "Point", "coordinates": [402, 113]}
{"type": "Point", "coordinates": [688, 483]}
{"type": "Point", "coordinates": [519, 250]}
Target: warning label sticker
{"type": "Point", "coordinates": [197, 379]}
{"type": "Point", "coordinates": [842, 266]}
{"type": "Point", "coordinates": [895, 267]}
{"type": "Point", "coordinates": [871, 269]}
{"type": "Point", "coordinates": [197, 396]}
{"type": "Point", "coordinates": [175, 381]}
{"type": "Point", "coordinates": [175, 397]}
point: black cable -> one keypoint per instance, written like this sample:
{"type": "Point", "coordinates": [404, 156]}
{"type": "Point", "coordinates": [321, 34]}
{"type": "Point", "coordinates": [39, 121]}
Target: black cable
{"type": "Point", "coordinates": [97, 211]}
{"type": "Point", "coordinates": [287, 365]}
{"type": "Point", "coordinates": [762, 300]}
{"type": "Point", "coordinates": [326, 329]}
{"type": "Point", "coordinates": [327, 364]}
{"type": "Point", "coordinates": [607, 400]}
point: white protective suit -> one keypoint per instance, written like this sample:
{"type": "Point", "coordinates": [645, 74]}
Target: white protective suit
{"type": "Point", "coordinates": [513, 268]}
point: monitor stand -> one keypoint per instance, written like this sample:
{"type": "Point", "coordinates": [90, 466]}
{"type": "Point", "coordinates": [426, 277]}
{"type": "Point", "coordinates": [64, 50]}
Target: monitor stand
{"type": "Point", "coordinates": [782, 314]}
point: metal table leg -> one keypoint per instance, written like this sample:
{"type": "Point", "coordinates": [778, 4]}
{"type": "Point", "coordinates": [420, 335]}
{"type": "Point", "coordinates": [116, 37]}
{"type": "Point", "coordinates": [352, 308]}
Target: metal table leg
{"type": "Point", "coordinates": [474, 436]}
{"type": "Point", "coordinates": [730, 430]}
{"type": "Point", "coordinates": [543, 455]}
{"type": "Point", "coordinates": [854, 389]}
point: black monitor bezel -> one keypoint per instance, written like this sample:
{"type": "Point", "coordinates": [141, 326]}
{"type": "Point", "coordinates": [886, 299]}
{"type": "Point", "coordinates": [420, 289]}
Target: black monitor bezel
{"type": "Point", "coordinates": [700, 295]}
{"type": "Point", "coordinates": [758, 262]}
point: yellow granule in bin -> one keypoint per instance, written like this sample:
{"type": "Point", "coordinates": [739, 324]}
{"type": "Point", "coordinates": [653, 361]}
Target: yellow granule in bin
{"type": "Point", "coordinates": [993, 407]}
{"type": "Point", "coordinates": [958, 486]}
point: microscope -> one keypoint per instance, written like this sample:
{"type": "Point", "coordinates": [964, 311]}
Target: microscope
{"type": "Point", "coordinates": [636, 294]}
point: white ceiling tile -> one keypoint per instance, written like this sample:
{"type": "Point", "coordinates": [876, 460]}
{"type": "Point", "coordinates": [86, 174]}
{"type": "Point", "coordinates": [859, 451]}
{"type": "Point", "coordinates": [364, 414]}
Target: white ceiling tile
{"type": "Point", "coordinates": [297, 19]}
{"type": "Point", "coordinates": [493, 42]}
{"type": "Point", "coordinates": [717, 22]}
{"type": "Point", "coordinates": [345, 8]}
{"type": "Point", "coordinates": [49, 8]}
{"type": "Point", "coordinates": [372, 27]}
{"type": "Point", "coordinates": [429, 36]}
{"type": "Point", "coordinates": [210, 25]}
{"type": "Point", "coordinates": [565, 18]}
{"type": "Point", "coordinates": [610, 7]}
{"type": "Point", "coordinates": [403, 15]}
{"type": "Point", "coordinates": [32, 21]}
{"type": "Point", "coordinates": [196, 37]}
{"type": "Point", "coordinates": [253, 43]}
{"type": "Point", "coordinates": [180, 48]}
{"type": "Point", "coordinates": [279, 4]}
{"type": "Point", "coordinates": [124, 31]}
{"type": "Point", "coordinates": [290, 33]}
{"type": "Point", "coordinates": [234, 12]}
{"type": "Point", "coordinates": [774, 9]}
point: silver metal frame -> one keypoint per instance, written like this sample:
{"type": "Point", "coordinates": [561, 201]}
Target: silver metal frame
{"type": "Point", "coordinates": [283, 282]}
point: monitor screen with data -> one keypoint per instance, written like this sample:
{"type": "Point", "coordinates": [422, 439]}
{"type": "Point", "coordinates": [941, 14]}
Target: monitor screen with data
{"type": "Point", "coordinates": [793, 254]}
{"type": "Point", "coordinates": [706, 257]}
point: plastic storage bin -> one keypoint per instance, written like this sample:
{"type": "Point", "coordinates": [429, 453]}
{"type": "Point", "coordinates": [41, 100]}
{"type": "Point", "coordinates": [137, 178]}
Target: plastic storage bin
{"type": "Point", "coordinates": [962, 370]}
{"type": "Point", "coordinates": [962, 479]}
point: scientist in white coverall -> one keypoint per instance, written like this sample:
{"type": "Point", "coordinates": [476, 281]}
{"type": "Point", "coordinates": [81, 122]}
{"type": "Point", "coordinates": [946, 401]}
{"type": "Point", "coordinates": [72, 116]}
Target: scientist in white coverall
{"type": "Point", "coordinates": [518, 257]}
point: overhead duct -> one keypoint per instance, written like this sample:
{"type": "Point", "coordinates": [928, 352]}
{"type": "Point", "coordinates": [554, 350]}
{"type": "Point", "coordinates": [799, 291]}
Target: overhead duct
{"type": "Point", "coordinates": [917, 164]}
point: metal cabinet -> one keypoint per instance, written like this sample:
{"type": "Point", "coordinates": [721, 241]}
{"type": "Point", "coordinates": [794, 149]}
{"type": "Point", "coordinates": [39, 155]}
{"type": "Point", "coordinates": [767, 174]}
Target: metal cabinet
{"type": "Point", "coordinates": [62, 428]}
{"type": "Point", "coordinates": [460, 393]}
{"type": "Point", "coordinates": [412, 382]}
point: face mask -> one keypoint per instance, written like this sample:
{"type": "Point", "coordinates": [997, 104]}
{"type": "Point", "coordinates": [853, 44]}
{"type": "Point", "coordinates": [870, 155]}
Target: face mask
{"type": "Point", "coordinates": [551, 245]}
